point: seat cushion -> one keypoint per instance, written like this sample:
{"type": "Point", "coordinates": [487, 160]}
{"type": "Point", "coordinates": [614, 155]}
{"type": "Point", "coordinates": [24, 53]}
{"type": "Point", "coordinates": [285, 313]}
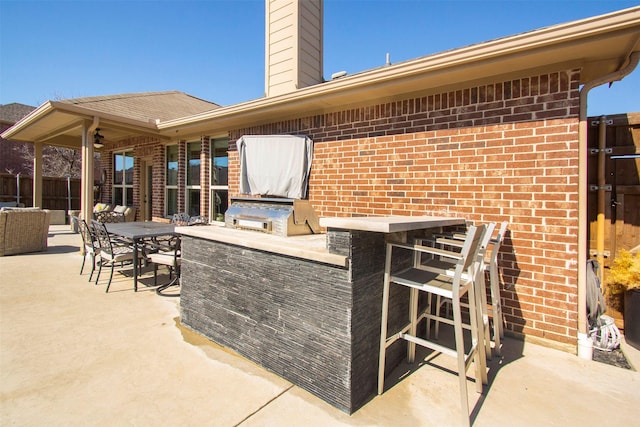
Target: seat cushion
{"type": "Point", "coordinates": [99, 207]}
{"type": "Point", "coordinates": [164, 258]}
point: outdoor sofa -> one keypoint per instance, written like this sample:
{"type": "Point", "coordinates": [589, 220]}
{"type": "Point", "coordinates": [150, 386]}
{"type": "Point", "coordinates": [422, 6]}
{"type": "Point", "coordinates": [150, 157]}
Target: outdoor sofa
{"type": "Point", "coordinates": [106, 210]}
{"type": "Point", "coordinates": [23, 230]}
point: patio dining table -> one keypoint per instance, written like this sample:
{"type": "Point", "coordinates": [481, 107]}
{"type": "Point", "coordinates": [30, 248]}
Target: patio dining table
{"type": "Point", "coordinates": [138, 231]}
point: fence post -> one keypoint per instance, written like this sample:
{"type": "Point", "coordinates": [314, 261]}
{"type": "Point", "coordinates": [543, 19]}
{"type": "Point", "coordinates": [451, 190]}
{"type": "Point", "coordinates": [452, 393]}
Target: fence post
{"type": "Point", "coordinates": [68, 193]}
{"type": "Point", "coordinates": [18, 189]}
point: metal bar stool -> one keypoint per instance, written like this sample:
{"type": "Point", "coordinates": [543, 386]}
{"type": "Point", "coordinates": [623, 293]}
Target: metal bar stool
{"type": "Point", "coordinates": [439, 283]}
{"type": "Point", "coordinates": [490, 264]}
{"type": "Point", "coordinates": [457, 241]}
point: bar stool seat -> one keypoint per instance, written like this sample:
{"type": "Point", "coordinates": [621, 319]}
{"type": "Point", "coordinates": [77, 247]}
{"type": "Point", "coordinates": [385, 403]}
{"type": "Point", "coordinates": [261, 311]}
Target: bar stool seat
{"type": "Point", "coordinates": [453, 283]}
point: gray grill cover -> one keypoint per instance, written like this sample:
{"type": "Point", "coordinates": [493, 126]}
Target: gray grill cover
{"type": "Point", "coordinates": [275, 165]}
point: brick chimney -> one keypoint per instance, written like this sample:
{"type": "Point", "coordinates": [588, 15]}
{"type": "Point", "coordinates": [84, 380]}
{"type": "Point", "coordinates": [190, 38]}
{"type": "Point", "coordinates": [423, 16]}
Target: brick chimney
{"type": "Point", "coordinates": [293, 41]}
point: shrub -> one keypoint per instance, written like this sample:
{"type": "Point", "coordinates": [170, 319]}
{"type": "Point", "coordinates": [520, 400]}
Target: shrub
{"type": "Point", "coordinates": [624, 274]}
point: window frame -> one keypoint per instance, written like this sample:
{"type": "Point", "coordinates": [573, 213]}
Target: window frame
{"type": "Point", "coordinates": [123, 186]}
{"type": "Point", "coordinates": [214, 188]}
{"type": "Point", "coordinates": [192, 188]}
{"type": "Point", "coordinates": [170, 187]}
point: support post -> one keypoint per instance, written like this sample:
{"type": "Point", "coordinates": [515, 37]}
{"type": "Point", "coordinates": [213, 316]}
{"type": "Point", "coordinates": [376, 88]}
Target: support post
{"type": "Point", "coordinates": [86, 193]}
{"type": "Point", "coordinates": [37, 175]}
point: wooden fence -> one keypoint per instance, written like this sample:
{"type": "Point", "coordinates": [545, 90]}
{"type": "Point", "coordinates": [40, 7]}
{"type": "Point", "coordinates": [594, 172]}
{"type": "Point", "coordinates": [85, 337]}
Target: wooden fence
{"type": "Point", "coordinates": [622, 189]}
{"type": "Point", "coordinates": [622, 183]}
{"type": "Point", "coordinates": [55, 191]}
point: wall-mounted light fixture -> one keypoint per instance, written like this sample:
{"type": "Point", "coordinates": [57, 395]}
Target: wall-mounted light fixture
{"type": "Point", "coordinates": [97, 139]}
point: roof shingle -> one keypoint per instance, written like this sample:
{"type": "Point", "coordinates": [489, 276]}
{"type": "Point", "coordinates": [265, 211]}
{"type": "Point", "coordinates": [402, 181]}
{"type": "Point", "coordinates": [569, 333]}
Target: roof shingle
{"type": "Point", "coordinates": [146, 106]}
{"type": "Point", "coordinates": [12, 113]}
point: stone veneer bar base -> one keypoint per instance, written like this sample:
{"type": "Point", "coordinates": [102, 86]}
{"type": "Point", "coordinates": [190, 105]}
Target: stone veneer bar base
{"type": "Point", "coordinates": [316, 325]}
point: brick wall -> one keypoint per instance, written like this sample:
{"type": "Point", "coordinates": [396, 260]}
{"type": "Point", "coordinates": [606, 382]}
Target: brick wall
{"type": "Point", "coordinates": [501, 151]}
{"type": "Point", "coordinates": [106, 163]}
{"type": "Point", "coordinates": [205, 180]}
{"type": "Point", "coordinates": [158, 180]}
{"type": "Point", "coordinates": [182, 175]}
{"type": "Point", "coordinates": [150, 147]}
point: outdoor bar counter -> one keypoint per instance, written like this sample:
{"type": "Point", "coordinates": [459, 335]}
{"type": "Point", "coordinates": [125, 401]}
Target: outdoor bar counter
{"type": "Point", "coordinates": [307, 308]}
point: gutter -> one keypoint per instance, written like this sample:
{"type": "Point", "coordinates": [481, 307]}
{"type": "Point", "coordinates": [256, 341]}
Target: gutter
{"type": "Point", "coordinates": [583, 332]}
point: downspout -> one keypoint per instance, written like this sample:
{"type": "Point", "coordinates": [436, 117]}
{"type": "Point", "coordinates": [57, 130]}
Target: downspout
{"type": "Point", "coordinates": [583, 188]}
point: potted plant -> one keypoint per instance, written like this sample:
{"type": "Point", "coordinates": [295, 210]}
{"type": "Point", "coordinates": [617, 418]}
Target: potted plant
{"type": "Point", "coordinates": [623, 283]}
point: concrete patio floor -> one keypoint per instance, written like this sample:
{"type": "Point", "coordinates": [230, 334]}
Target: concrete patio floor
{"type": "Point", "coordinates": [72, 355]}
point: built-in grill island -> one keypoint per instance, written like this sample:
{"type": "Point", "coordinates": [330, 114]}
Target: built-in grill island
{"type": "Point", "coordinates": [304, 305]}
{"type": "Point", "coordinates": [278, 216]}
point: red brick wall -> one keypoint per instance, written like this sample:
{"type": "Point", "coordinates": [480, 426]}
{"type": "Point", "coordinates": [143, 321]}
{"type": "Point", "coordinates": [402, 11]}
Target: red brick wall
{"type": "Point", "coordinates": [205, 166]}
{"type": "Point", "coordinates": [106, 163]}
{"type": "Point", "coordinates": [502, 151]}
{"type": "Point", "coordinates": [157, 181]}
{"type": "Point", "coordinates": [182, 175]}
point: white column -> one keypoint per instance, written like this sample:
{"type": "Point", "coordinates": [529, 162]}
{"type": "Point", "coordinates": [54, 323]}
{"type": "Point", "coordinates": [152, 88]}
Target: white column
{"type": "Point", "coordinates": [86, 183]}
{"type": "Point", "coordinates": [37, 174]}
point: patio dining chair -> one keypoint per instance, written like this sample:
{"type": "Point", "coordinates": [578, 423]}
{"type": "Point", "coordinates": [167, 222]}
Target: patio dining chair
{"type": "Point", "coordinates": [168, 254]}
{"type": "Point", "coordinates": [109, 217]}
{"type": "Point", "coordinates": [111, 251]}
{"type": "Point", "coordinates": [436, 282]}
{"type": "Point", "coordinates": [89, 243]}
{"type": "Point", "coordinates": [198, 220]}
{"type": "Point", "coordinates": [181, 218]}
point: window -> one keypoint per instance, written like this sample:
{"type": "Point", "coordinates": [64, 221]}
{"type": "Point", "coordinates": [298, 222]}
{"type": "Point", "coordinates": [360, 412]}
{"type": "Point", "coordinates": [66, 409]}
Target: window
{"type": "Point", "coordinates": [219, 178]}
{"type": "Point", "coordinates": [193, 178]}
{"type": "Point", "coordinates": [171, 185]}
{"type": "Point", "coordinates": [123, 178]}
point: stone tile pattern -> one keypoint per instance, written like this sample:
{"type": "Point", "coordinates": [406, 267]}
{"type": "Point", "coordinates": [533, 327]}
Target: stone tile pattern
{"type": "Point", "coordinates": [313, 324]}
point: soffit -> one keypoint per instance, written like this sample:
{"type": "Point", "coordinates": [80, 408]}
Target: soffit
{"type": "Point", "coordinates": [58, 124]}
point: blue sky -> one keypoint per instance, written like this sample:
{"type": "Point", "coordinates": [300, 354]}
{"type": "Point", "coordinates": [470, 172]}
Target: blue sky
{"type": "Point", "coordinates": [214, 49]}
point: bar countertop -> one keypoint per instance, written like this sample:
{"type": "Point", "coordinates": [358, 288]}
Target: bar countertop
{"type": "Point", "coordinates": [389, 224]}
{"type": "Point", "coordinates": [312, 246]}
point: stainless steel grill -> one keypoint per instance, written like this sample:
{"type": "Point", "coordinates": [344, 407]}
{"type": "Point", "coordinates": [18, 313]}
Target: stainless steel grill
{"type": "Point", "coordinates": [281, 217]}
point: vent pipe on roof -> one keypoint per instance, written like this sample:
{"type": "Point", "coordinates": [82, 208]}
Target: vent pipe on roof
{"type": "Point", "coordinates": [338, 74]}
{"type": "Point", "coordinates": [583, 330]}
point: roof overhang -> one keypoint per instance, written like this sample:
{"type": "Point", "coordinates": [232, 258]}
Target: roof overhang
{"type": "Point", "coordinates": [61, 124]}
{"type": "Point", "coordinates": [597, 46]}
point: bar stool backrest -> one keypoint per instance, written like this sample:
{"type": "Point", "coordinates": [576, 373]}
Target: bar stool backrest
{"type": "Point", "coordinates": [471, 249]}
{"type": "Point", "coordinates": [497, 242]}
